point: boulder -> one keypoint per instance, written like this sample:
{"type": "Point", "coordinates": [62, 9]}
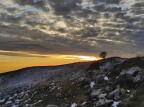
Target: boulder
{"type": "Point", "coordinates": [138, 78]}
{"type": "Point", "coordinates": [132, 71]}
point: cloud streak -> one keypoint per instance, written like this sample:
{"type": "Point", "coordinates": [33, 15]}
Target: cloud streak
{"type": "Point", "coordinates": [72, 27]}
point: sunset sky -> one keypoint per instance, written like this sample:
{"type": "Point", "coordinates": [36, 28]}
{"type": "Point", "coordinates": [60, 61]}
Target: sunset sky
{"type": "Point", "coordinates": [54, 32]}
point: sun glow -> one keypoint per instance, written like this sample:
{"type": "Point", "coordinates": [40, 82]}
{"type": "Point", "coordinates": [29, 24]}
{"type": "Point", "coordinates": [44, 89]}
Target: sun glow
{"type": "Point", "coordinates": [58, 56]}
{"type": "Point", "coordinates": [12, 60]}
{"type": "Point", "coordinates": [88, 58]}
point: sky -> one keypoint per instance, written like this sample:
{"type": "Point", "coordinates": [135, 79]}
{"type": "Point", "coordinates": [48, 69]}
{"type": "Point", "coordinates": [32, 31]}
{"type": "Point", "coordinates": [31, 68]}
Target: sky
{"type": "Point", "coordinates": [55, 32]}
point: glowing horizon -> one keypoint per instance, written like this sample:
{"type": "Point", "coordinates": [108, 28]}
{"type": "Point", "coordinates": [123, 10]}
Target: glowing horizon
{"type": "Point", "coordinates": [10, 63]}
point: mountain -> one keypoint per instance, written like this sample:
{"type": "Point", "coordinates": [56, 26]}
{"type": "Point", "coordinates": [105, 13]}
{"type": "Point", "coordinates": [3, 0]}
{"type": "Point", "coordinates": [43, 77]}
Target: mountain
{"type": "Point", "coordinates": [111, 82]}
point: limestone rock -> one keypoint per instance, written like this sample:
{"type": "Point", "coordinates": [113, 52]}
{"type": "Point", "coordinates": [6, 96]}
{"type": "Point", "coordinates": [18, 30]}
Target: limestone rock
{"type": "Point", "coordinates": [131, 71]}
{"type": "Point", "coordinates": [95, 93]}
{"type": "Point", "coordinates": [103, 102]}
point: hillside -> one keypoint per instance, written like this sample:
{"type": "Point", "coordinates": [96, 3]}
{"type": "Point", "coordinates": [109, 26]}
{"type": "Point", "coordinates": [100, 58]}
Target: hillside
{"type": "Point", "coordinates": [111, 82]}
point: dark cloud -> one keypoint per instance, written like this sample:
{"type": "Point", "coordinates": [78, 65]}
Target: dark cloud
{"type": "Point", "coordinates": [65, 7]}
{"type": "Point", "coordinates": [37, 42]}
{"type": "Point", "coordinates": [88, 32]}
{"type": "Point", "coordinates": [71, 26]}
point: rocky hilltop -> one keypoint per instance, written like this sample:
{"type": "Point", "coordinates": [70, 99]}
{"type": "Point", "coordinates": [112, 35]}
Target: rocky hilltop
{"type": "Point", "coordinates": [111, 82]}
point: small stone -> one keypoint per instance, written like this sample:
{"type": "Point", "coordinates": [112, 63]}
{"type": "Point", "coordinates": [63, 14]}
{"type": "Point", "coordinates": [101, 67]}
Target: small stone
{"type": "Point", "coordinates": [8, 102]}
{"type": "Point", "coordinates": [10, 98]}
{"type": "Point", "coordinates": [108, 88]}
{"type": "Point", "coordinates": [102, 96]}
{"type": "Point", "coordinates": [58, 95]}
{"type": "Point", "coordinates": [128, 91]}
{"type": "Point", "coordinates": [95, 93]}
{"type": "Point", "coordinates": [123, 91]}
{"type": "Point", "coordinates": [15, 105]}
{"type": "Point", "coordinates": [115, 93]}
{"type": "Point", "coordinates": [106, 78]}
{"type": "Point", "coordinates": [116, 96]}
{"type": "Point", "coordinates": [27, 105]}
{"type": "Point", "coordinates": [115, 104]}
{"type": "Point", "coordinates": [17, 101]}
{"type": "Point", "coordinates": [51, 105]}
{"type": "Point", "coordinates": [83, 103]}
{"type": "Point", "coordinates": [2, 101]}
{"type": "Point", "coordinates": [131, 96]}
{"type": "Point", "coordinates": [92, 84]}
{"type": "Point", "coordinates": [138, 78]}
{"type": "Point", "coordinates": [103, 102]}
{"type": "Point", "coordinates": [74, 105]}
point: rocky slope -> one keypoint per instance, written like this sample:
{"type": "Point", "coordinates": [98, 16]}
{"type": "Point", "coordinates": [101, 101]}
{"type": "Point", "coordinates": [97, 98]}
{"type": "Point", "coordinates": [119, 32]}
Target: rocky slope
{"type": "Point", "coordinates": [111, 82]}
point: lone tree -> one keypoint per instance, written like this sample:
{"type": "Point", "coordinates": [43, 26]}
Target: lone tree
{"type": "Point", "coordinates": [103, 55]}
